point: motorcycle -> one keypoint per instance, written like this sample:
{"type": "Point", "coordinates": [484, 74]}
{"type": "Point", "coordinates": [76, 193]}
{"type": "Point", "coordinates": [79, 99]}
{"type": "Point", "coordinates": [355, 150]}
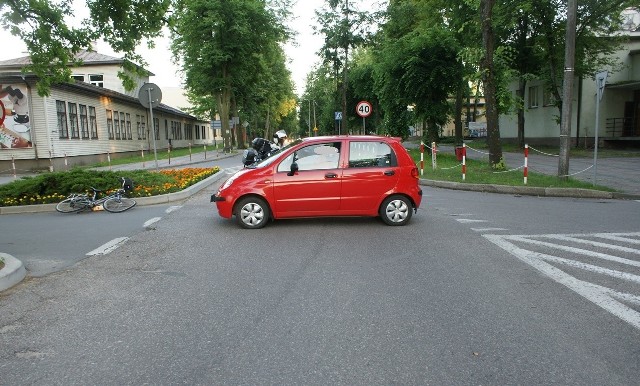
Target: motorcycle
{"type": "Point", "coordinates": [260, 149]}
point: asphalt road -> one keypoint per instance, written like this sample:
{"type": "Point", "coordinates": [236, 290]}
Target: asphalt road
{"type": "Point", "coordinates": [457, 297]}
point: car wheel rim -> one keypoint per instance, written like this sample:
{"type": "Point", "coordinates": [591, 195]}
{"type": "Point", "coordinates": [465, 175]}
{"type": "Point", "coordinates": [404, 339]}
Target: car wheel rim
{"type": "Point", "coordinates": [252, 214]}
{"type": "Point", "coordinates": [397, 211]}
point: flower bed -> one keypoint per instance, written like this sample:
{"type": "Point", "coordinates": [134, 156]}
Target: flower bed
{"type": "Point", "coordinates": [51, 188]}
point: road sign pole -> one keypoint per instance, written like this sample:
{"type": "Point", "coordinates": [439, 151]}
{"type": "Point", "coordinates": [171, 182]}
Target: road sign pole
{"type": "Point", "coordinates": [153, 129]}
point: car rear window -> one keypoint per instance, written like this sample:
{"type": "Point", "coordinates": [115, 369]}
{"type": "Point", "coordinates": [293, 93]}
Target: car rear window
{"type": "Point", "coordinates": [371, 154]}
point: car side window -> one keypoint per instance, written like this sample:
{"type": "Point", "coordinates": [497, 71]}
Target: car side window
{"type": "Point", "coordinates": [313, 157]}
{"type": "Point", "coordinates": [371, 154]}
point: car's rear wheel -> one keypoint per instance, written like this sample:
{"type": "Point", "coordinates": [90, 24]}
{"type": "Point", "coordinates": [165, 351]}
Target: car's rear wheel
{"type": "Point", "coordinates": [252, 213]}
{"type": "Point", "coordinates": [396, 210]}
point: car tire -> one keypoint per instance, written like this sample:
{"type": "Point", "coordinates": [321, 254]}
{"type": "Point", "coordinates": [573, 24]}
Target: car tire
{"type": "Point", "coordinates": [396, 210]}
{"type": "Point", "coordinates": [252, 213]}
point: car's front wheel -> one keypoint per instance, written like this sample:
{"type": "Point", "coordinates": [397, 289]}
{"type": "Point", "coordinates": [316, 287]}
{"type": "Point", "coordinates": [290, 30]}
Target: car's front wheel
{"type": "Point", "coordinates": [252, 213]}
{"type": "Point", "coordinates": [396, 210]}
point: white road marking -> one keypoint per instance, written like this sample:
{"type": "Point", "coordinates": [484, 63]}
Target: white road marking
{"type": "Point", "coordinates": [488, 229]}
{"type": "Point", "coordinates": [605, 298]}
{"type": "Point", "coordinates": [469, 221]}
{"type": "Point", "coordinates": [150, 222]}
{"type": "Point", "coordinates": [108, 247]}
{"type": "Point", "coordinates": [619, 237]}
{"type": "Point", "coordinates": [593, 243]}
{"type": "Point", "coordinates": [173, 208]}
{"type": "Point", "coordinates": [585, 252]}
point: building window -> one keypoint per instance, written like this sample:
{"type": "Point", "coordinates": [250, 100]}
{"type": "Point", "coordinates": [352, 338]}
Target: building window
{"type": "Point", "coordinates": [179, 129]}
{"type": "Point", "coordinates": [204, 132]}
{"type": "Point", "coordinates": [110, 123]}
{"type": "Point", "coordinates": [547, 98]}
{"type": "Point", "coordinates": [123, 126]}
{"type": "Point", "coordinates": [116, 123]}
{"type": "Point", "coordinates": [93, 122]}
{"type": "Point", "coordinates": [84, 122]}
{"type": "Point", "coordinates": [188, 131]}
{"type": "Point", "coordinates": [73, 120]}
{"type": "Point", "coordinates": [78, 77]}
{"type": "Point", "coordinates": [96, 80]}
{"type": "Point", "coordinates": [197, 131]}
{"type": "Point", "coordinates": [166, 129]}
{"type": "Point", "coordinates": [156, 126]}
{"type": "Point", "coordinates": [533, 97]}
{"type": "Point", "coordinates": [129, 126]}
{"type": "Point", "coordinates": [139, 126]}
{"type": "Point", "coordinates": [63, 130]}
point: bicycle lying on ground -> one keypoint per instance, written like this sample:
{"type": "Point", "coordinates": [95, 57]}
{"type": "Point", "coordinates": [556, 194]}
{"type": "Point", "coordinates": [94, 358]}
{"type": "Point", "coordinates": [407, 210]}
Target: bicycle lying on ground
{"type": "Point", "coordinates": [115, 202]}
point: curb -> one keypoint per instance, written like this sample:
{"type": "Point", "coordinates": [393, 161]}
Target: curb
{"type": "Point", "coordinates": [12, 273]}
{"type": "Point", "coordinates": [530, 190]}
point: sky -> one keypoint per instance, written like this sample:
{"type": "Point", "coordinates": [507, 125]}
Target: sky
{"type": "Point", "coordinates": [302, 55]}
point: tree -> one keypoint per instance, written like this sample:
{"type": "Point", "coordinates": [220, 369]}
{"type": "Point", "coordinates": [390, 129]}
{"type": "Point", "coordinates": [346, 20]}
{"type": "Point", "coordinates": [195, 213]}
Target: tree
{"type": "Point", "coordinates": [219, 42]}
{"type": "Point", "coordinates": [52, 43]}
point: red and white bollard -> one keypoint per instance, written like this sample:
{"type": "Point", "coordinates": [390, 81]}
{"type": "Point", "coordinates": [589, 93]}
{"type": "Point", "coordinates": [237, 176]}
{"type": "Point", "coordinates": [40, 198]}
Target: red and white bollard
{"type": "Point", "coordinates": [142, 153]}
{"type": "Point", "coordinates": [205, 151]}
{"type": "Point", "coordinates": [434, 161]}
{"type": "Point", "coordinates": [109, 159]}
{"type": "Point", "coordinates": [464, 161]}
{"type": "Point", "coordinates": [526, 163]}
{"type": "Point", "coordinates": [13, 165]}
{"type": "Point", "coordinates": [421, 158]}
{"type": "Point", "coordinates": [66, 163]}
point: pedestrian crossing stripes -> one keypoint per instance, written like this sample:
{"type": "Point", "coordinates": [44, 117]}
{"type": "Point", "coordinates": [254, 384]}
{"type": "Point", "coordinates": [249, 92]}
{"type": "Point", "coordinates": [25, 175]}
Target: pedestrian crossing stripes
{"type": "Point", "coordinates": [602, 267]}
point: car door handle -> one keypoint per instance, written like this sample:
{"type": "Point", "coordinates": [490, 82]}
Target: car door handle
{"type": "Point", "coordinates": [389, 172]}
{"type": "Point", "coordinates": [330, 175]}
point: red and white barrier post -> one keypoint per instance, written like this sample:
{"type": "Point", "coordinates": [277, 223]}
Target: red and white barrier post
{"type": "Point", "coordinates": [205, 151]}
{"type": "Point", "coordinates": [109, 159]}
{"type": "Point", "coordinates": [142, 153]}
{"type": "Point", "coordinates": [421, 158]}
{"type": "Point", "coordinates": [526, 163]}
{"type": "Point", "coordinates": [464, 161]}
{"type": "Point", "coordinates": [13, 165]}
{"type": "Point", "coordinates": [66, 163]}
{"type": "Point", "coordinates": [434, 161]}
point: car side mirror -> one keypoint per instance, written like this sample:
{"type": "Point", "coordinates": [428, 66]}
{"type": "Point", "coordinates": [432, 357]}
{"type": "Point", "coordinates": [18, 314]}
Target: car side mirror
{"type": "Point", "coordinates": [294, 169]}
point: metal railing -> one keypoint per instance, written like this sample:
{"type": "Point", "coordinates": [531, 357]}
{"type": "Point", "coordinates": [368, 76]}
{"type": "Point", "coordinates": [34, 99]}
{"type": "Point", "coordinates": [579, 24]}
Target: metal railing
{"type": "Point", "coordinates": [622, 127]}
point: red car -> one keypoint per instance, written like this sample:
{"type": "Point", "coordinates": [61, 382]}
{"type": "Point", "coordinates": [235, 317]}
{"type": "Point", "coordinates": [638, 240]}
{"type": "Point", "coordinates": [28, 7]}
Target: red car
{"type": "Point", "coordinates": [325, 176]}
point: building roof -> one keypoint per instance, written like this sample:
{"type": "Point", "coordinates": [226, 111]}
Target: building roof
{"type": "Point", "coordinates": [88, 58]}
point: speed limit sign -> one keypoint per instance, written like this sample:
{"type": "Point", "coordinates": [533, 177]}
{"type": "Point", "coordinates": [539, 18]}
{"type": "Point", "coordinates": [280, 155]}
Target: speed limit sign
{"type": "Point", "coordinates": [364, 109]}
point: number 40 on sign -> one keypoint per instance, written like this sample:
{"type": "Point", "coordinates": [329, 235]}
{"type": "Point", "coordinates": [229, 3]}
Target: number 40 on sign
{"type": "Point", "coordinates": [364, 109]}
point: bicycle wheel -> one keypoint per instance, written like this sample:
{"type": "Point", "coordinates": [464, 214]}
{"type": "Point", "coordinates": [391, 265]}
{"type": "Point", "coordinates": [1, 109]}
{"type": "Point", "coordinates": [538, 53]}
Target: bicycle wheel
{"type": "Point", "coordinates": [70, 205]}
{"type": "Point", "coordinates": [118, 204]}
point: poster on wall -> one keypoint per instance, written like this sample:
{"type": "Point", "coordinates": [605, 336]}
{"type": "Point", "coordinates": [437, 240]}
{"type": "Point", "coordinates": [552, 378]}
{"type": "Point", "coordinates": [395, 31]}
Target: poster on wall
{"type": "Point", "coordinates": [15, 125]}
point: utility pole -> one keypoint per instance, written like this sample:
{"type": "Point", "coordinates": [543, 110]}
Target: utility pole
{"type": "Point", "coordinates": [567, 89]}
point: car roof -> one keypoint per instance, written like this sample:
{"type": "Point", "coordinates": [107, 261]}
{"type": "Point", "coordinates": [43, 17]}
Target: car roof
{"type": "Point", "coordinates": [353, 137]}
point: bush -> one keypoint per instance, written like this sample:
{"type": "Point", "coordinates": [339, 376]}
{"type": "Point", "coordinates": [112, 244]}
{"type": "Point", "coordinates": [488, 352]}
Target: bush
{"type": "Point", "coordinates": [54, 187]}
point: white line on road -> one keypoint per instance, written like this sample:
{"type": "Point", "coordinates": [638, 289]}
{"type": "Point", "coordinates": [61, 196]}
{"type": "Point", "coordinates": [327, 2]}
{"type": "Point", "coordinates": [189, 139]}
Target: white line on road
{"type": "Point", "coordinates": [173, 208]}
{"type": "Point", "coordinates": [108, 247]}
{"type": "Point", "coordinates": [150, 222]}
{"type": "Point", "coordinates": [469, 221]}
{"type": "Point", "coordinates": [488, 229]}
{"type": "Point", "coordinates": [599, 296]}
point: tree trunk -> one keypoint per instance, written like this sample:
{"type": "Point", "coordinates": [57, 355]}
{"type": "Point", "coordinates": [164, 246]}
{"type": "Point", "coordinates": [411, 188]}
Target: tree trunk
{"type": "Point", "coordinates": [489, 80]}
{"type": "Point", "coordinates": [223, 99]}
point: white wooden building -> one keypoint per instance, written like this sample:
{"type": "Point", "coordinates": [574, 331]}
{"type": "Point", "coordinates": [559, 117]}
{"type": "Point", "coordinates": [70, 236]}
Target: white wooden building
{"type": "Point", "coordinates": [86, 121]}
{"type": "Point", "coordinates": [619, 118]}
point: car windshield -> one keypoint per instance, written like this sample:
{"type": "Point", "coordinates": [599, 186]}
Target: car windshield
{"type": "Point", "coordinates": [268, 161]}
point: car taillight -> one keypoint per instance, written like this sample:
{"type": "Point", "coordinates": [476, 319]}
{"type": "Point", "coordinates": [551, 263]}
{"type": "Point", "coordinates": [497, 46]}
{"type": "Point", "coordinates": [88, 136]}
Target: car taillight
{"type": "Point", "coordinates": [414, 173]}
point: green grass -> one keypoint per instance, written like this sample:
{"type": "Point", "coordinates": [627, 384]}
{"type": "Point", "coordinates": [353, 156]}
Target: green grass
{"type": "Point", "coordinates": [161, 153]}
{"type": "Point", "coordinates": [479, 172]}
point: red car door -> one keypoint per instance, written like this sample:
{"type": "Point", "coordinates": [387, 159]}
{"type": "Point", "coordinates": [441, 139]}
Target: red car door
{"type": "Point", "coordinates": [314, 190]}
{"type": "Point", "coordinates": [371, 174]}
